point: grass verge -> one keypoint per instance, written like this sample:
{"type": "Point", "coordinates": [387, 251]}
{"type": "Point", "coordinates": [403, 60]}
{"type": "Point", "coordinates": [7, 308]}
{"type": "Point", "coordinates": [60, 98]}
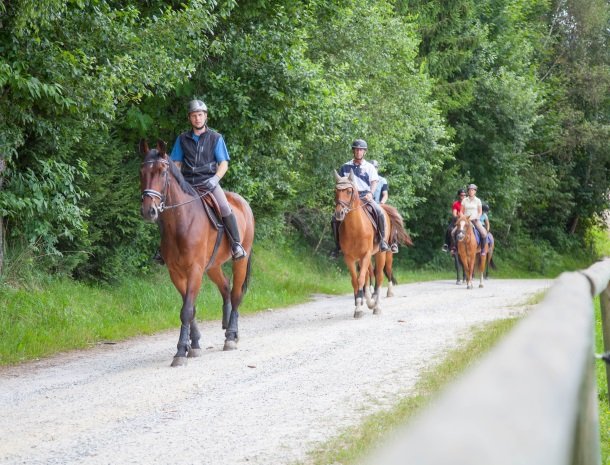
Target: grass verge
{"type": "Point", "coordinates": [602, 390]}
{"type": "Point", "coordinates": [43, 318]}
{"type": "Point", "coordinates": [351, 445]}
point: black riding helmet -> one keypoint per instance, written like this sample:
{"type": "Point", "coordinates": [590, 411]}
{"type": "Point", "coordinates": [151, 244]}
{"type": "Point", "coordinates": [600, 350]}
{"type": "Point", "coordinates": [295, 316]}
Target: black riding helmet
{"type": "Point", "coordinates": [359, 144]}
{"type": "Point", "coordinates": [461, 191]}
{"type": "Point", "coordinates": [485, 208]}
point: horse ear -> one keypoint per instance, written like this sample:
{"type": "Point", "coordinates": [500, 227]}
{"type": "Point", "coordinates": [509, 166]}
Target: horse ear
{"type": "Point", "coordinates": [337, 177]}
{"type": "Point", "coordinates": [143, 147]}
{"type": "Point", "coordinates": [161, 147]}
{"type": "Point", "coordinates": [352, 176]}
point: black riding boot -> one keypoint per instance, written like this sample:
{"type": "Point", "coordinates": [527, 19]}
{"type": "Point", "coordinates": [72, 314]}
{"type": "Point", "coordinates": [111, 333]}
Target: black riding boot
{"type": "Point", "coordinates": [335, 227]}
{"type": "Point", "coordinates": [383, 245]}
{"type": "Point", "coordinates": [232, 231]}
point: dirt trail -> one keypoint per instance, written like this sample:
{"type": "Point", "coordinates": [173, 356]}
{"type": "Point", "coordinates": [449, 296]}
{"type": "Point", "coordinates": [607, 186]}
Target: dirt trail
{"type": "Point", "coordinates": [300, 376]}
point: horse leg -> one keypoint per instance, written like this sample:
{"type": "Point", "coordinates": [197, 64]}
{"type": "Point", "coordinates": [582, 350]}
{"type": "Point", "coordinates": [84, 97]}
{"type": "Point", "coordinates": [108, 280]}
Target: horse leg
{"type": "Point", "coordinates": [222, 283]}
{"type": "Point", "coordinates": [187, 313]}
{"type": "Point", "coordinates": [195, 335]}
{"type": "Point", "coordinates": [358, 291]}
{"type": "Point", "coordinates": [457, 263]}
{"type": "Point", "coordinates": [368, 287]}
{"type": "Point", "coordinates": [241, 276]}
{"type": "Point", "coordinates": [188, 287]}
{"type": "Point", "coordinates": [379, 266]}
{"type": "Point", "coordinates": [387, 269]}
{"type": "Point", "coordinates": [482, 261]}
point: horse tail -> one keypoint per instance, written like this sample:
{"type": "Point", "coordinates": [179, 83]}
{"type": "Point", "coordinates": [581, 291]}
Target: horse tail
{"type": "Point", "coordinates": [397, 225]}
{"type": "Point", "coordinates": [244, 286]}
{"type": "Point", "coordinates": [492, 264]}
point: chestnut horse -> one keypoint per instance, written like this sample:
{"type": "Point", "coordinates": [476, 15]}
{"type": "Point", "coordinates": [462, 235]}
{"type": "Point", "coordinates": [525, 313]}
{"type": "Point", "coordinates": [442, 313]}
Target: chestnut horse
{"type": "Point", "coordinates": [192, 245]}
{"type": "Point", "coordinates": [468, 250]}
{"type": "Point", "coordinates": [357, 241]}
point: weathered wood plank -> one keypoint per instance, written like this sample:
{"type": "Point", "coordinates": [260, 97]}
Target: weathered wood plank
{"type": "Point", "coordinates": [523, 403]}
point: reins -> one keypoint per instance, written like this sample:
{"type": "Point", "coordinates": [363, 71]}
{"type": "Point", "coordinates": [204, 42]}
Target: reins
{"type": "Point", "coordinates": [163, 195]}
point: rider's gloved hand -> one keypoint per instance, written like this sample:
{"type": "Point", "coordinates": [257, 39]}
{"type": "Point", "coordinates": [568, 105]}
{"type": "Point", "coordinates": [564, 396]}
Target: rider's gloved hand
{"type": "Point", "coordinates": [210, 184]}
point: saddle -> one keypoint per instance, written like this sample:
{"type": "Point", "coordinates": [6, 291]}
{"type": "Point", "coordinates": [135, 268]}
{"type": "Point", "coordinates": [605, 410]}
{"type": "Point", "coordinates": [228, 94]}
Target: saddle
{"type": "Point", "coordinates": [371, 213]}
{"type": "Point", "coordinates": [211, 207]}
{"type": "Point", "coordinates": [477, 235]}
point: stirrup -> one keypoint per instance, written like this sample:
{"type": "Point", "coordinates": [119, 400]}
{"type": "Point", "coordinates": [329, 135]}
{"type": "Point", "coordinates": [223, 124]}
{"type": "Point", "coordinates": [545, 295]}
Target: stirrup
{"type": "Point", "coordinates": [157, 258]}
{"type": "Point", "coordinates": [383, 246]}
{"type": "Point", "coordinates": [238, 251]}
{"type": "Point", "coordinates": [394, 248]}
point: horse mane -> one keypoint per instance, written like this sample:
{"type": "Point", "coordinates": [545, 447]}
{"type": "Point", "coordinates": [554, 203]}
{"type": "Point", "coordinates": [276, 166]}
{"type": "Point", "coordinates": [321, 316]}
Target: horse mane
{"type": "Point", "coordinates": [184, 185]}
{"type": "Point", "coordinates": [154, 155]}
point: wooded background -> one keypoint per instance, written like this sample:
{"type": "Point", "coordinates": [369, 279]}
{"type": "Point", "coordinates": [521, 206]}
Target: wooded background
{"type": "Point", "coordinates": [509, 94]}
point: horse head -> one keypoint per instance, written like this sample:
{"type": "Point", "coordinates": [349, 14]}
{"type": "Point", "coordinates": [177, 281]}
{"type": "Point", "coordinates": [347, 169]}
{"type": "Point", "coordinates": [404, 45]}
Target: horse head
{"type": "Point", "coordinates": [462, 226]}
{"type": "Point", "coordinates": [346, 195]}
{"type": "Point", "coordinates": [154, 180]}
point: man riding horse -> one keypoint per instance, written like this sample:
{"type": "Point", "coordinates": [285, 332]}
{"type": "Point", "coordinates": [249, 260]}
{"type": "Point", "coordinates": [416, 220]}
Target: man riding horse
{"type": "Point", "coordinates": [366, 177]}
{"type": "Point", "coordinates": [203, 158]}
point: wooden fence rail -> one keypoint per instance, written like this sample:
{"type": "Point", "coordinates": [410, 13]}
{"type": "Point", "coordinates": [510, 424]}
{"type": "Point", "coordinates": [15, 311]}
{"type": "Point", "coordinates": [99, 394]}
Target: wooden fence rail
{"type": "Point", "coordinates": [531, 401]}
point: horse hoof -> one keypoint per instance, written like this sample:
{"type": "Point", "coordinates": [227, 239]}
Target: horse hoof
{"type": "Point", "coordinates": [179, 362]}
{"type": "Point", "coordinates": [230, 345]}
{"type": "Point", "coordinates": [458, 282]}
{"type": "Point", "coordinates": [194, 353]}
{"type": "Point", "coordinates": [481, 285]}
{"type": "Point", "coordinates": [390, 294]}
{"type": "Point", "coordinates": [376, 311]}
{"type": "Point", "coordinates": [358, 314]}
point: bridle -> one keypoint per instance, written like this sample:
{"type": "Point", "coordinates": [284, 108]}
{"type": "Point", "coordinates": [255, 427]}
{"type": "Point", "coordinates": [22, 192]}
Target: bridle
{"type": "Point", "coordinates": [161, 196]}
{"type": "Point", "coordinates": [347, 206]}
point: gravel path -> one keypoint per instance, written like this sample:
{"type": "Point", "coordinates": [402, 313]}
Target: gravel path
{"type": "Point", "coordinates": [300, 376]}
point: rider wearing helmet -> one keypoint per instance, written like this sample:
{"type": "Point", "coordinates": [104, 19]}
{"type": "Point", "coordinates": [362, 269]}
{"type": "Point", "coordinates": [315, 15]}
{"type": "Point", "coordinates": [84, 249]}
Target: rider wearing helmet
{"type": "Point", "coordinates": [381, 192]}
{"type": "Point", "coordinates": [366, 181]}
{"type": "Point", "coordinates": [203, 158]}
{"type": "Point", "coordinates": [472, 206]}
{"type": "Point", "coordinates": [484, 218]}
{"type": "Point", "coordinates": [455, 212]}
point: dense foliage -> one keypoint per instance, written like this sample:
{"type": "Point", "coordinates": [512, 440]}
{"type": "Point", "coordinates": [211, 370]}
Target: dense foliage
{"type": "Point", "coordinates": [511, 95]}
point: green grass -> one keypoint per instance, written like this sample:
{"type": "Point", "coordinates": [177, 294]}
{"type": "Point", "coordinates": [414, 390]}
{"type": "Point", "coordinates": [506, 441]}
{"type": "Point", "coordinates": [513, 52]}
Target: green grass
{"type": "Point", "coordinates": [41, 319]}
{"type": "Point", "coordinates": [50, 315]}
{"type": "Point", "coordinates": [602, 389]}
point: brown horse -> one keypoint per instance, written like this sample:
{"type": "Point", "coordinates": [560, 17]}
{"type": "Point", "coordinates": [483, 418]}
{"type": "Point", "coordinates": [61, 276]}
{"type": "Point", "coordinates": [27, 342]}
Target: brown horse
{"type": "Point", "coordinates": [357, 240]}
{"type": "Point", "coordinates": [468, 250]}
{"type": "Point", "coordinates": [397, 235]}
{"type": "Point", "coordinates": [192, 245]}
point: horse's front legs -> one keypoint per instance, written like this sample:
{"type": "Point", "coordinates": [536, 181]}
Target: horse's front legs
{"type": "Point", "coordinates": [358, 288]}
{"type": "Point", "coordinates": [188, 330]}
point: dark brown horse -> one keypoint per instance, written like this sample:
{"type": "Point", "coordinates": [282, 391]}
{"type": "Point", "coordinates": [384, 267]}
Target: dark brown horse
{"type": "Point", "coordinates": [468, 250]}
{"type": "Point", "coordinates": [192, 245]}
{"type": "Point", "coordinates": [357, 241]}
